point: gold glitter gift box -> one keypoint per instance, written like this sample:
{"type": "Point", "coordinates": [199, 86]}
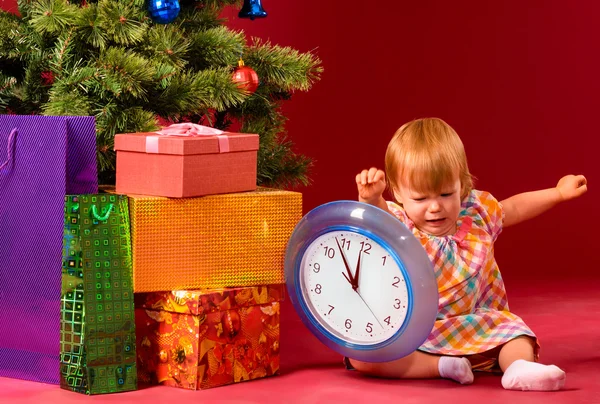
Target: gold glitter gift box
{"type": "Point", "coordinates": [227, 240]}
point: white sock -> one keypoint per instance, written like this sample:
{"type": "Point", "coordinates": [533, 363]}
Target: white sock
{"type": "Point", "coordinates": [525, 375]}
{"type": "Point", "coordinates": [455, 368]}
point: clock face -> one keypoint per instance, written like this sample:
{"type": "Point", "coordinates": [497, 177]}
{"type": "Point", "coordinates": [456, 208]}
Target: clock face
{"type": "Point", "coordinates": [354, 287]}
{"type": "Point", "coordinates": [361, 282]}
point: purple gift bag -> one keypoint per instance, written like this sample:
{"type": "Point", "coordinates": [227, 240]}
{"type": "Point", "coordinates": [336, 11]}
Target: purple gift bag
{"type": "Point", "coordinates": [42, 158]}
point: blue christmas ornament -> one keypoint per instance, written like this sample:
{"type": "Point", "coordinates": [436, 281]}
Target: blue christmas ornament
{"type": "Point", "coordinates": [163, 11]}
{"type": "Point", "coordinates": [252, 9]}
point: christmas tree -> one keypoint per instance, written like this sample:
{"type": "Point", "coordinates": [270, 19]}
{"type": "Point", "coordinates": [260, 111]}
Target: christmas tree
{"type": "Point", "coordinates": [115, 60]}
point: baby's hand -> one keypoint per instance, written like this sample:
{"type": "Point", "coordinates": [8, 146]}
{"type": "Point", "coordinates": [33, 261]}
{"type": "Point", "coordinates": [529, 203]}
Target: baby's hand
{"type": "Point", "coordinates": [571, 186]}
{"type": "Point", "coordinates": [370, 184]}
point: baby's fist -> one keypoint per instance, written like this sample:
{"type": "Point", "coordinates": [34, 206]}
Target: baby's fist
{"type": "Point", "coordinates": [370, 184]}
{"type": "Point", "coordinates": [571, 186]}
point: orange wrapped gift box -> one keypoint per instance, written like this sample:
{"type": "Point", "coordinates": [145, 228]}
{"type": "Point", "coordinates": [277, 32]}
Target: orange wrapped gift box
{"type": "Point", "coordinates": [215, 241]}
{"type": "Point", "coordinates": [207, 338]}
{"type": "Point", "coordinates": [185, 166]}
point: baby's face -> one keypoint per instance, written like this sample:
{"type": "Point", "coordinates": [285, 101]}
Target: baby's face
{"type": "Point", "coordinates": [434, 213]}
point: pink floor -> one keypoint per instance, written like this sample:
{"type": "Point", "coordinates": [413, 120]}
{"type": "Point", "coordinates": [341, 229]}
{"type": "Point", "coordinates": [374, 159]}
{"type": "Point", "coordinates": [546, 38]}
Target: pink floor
{"type": "Point", "coordinates": [564, 314]}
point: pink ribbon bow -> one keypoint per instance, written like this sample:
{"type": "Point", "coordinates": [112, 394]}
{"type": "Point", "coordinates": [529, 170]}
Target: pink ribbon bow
{"type": "Point", "coordinates": [188, 129]}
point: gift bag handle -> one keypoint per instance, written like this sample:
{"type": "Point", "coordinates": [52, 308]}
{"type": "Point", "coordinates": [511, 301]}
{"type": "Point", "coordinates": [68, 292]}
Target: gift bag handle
{"type": "Point", "coordinates": [12, 139]}
{"type": "Point", "coordinates": [105, 216]}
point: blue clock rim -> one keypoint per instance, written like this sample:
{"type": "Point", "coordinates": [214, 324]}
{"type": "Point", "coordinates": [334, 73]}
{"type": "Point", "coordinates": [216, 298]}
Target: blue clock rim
{"type": "Point", "coordinates": [308, 314]}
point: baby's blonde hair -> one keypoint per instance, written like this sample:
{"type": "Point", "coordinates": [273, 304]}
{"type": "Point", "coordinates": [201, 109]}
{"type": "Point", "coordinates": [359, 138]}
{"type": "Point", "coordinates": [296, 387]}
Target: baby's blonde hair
{"type": "Point", "coordinates": [427, 154]}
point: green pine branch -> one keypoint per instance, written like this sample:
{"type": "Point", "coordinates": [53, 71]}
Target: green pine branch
{"type": "Point", "coordinates": [90, 27]}
{"type": "Point", "coordinates": [9, 23]}
{"type": "Point", "coordinates": [284, 67]}
{"type": "Point", "coordinates": [123, 23]}
{"type": "Point", "coordinates": [196, 19]}
{"type": "Point", "coordinates": [218, 3]}
{"type": "Point", "coordinates": [278, 164]}
{"type": "Point", "coordinates": [216, 47]}
{"type": "Point", "coordinates": [167, 44]}
{"type": "Point", "coordinates": [108, 59]}
{"type": "Point", "coordinates": [124, 73]}
{"type": "Point", "coordinates": [7, 88]}
{"type": "Point", "coordinates": [52, 16]}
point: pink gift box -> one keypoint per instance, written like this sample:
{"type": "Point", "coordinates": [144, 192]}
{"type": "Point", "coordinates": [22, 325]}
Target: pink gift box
{"type": "Point", "coordinates": [185, 166]}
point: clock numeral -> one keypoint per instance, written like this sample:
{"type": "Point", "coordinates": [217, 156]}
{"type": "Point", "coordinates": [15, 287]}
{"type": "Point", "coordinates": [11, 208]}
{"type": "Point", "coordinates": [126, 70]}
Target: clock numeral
{"type": "Point", "coordinates": [383, 258]}
{"type": "Point", "coordinates": [365, 247]}
{"type": "Point", "coordinates": [348, 323]}
{"type": "Point", "coordinates": [316, 267]}
{"type": "Point", "coordinates": [329, 252]}
{"type": "Point", "coordinates": [397, 304]}
{"type": "Point", "coordinates": [318, 288]}
{"type": "Point", "coordinates": [387, 320]}
{"type": "Point", "coordinates": [397, 281]}
{"type": "Point", "coordinates": [369, 328]}
{"type": "Point", "coordinates": [344, 242]}
{"type": "Point", "coordinates": [330, 310]}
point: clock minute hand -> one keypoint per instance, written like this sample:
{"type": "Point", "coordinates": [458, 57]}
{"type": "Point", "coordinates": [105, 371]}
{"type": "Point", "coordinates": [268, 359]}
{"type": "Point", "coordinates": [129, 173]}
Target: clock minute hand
{"type": "Point", "coordinates": [349, 278]}
{"type": "Point", "coordinates": [357, 273]}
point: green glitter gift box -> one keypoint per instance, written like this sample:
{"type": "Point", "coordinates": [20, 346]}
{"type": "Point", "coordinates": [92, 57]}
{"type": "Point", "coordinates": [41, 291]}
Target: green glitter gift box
{"type": "Point", "coordinates": [97, 337]}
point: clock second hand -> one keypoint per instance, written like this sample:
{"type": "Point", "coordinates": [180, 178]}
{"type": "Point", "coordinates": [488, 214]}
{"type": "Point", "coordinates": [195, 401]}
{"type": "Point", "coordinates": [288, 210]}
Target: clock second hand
{"type": "Point", "coordinates": [355, 286]}
{"type": "Point", "coordinates": [353, 279]}
{"type": "Point", "coordinates": [381, 325]}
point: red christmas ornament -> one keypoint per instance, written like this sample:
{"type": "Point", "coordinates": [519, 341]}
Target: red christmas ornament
{"type": "Point", "coordinates": [245, 77]}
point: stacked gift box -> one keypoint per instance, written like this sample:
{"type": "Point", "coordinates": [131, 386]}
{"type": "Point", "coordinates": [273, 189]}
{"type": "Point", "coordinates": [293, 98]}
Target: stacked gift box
{"type": "Point", "coordinates": [175, 277]}
{"type": "Point", "coordinates": [208, 255]}
{"type": "Point", "coordinates": [206, 338]}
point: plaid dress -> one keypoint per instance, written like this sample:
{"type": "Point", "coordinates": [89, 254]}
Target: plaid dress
{"type": "Point", "coordinates": [473, 314]}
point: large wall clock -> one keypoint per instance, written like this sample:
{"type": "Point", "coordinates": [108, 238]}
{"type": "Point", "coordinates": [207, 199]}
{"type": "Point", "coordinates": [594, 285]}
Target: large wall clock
{"type": "Point", "coordinates": [361, 282]}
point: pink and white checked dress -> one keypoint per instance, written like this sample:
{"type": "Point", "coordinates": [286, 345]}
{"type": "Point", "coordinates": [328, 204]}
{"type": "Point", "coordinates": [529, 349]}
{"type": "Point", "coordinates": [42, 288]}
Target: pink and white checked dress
{"type": "Point", "coordinates": [473, 312]}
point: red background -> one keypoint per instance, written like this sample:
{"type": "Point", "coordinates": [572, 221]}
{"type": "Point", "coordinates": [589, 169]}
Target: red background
{"type": "Point", "coordinates": [517, 80]}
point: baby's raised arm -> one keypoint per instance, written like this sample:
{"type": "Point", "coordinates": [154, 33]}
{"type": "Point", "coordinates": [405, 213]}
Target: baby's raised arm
{"type": "Point", "coordinates": [371, 184]}
{"type": "Point", "coordinates": [527, 205]}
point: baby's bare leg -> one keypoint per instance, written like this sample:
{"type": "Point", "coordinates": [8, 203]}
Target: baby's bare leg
{"type": "Point", "coordinates": [522, 373]}
{"type": "Point", "coordinates": [419, 365]}
{"type": "Point", "coordinates": [519, 348]}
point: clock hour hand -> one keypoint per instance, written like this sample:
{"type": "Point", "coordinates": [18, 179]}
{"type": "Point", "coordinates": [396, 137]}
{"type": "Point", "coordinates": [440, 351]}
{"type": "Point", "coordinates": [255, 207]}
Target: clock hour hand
{"type": "Point", "coordinates": [349, 278]}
